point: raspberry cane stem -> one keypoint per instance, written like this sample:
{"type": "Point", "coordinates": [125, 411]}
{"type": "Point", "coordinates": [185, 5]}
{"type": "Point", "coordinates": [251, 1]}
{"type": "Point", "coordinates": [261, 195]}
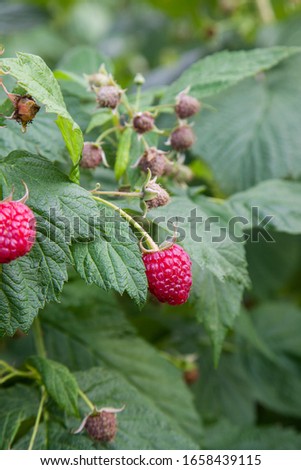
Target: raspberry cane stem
{"type": "Point", "coordinates": [148, 239]}
{"type": "Point", "coordinates": [38, 419]}
{"type": "Point", "coordinates": [118, 193]}
{"type": "Point", "coordinates": [86, 399]}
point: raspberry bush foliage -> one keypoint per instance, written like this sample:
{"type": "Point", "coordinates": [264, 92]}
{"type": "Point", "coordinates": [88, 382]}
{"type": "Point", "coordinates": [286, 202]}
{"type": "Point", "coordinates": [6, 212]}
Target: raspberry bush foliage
{"type": "Point", "coordinates": [148, 306]}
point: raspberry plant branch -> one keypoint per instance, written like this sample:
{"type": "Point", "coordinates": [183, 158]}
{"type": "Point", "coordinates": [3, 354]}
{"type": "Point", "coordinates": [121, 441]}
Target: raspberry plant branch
{"type": "Point", "coordinates": [118, 193]}
{"type": "Point", "coordinates": [145, 236]}
{"type": "Point", "coordinates": [9, 372]}
{"type": "Point", "coordinates": [38, 419]}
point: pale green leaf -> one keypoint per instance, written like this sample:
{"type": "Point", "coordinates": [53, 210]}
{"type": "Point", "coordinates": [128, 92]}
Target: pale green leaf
{"type": "Point", "coordinates": [278, 201]}
{"type": "Point", "coordinates": [59, 383]}
{"type": "Point", "coordinates": [221, 70]}
{"type": "Point", "coordinates": [253, 134]}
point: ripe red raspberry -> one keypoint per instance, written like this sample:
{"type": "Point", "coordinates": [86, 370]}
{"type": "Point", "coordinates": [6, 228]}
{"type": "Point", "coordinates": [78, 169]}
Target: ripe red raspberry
{"type": "Point", "coordinates": [168, 272]}
{"type": "Point", "coordinates": [102, 426]}
{"type": "Point", "coordinates": [17, 230]}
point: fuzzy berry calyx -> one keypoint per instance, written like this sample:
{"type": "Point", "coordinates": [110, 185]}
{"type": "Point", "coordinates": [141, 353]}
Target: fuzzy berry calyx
{"type": "Point", "coordinates": [186, 106]}
{"type": "Point", "coordinates": [155, 195]}
{"type": "Point", "coordinates": [168, 272]}
{"type": "Point", "coordinates": [143, 122]}
{"type": "Point", "coordinates": [17, 230]}
{"type": "Point", "coordinates": [182, 138]}
{"type": "Point", "coordinates": [92, 155]}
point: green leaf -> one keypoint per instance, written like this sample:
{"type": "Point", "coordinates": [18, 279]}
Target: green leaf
{"type": "Point", "coordinates": [52, 435]}
{"type": "Point", "coordinates": [279, 199]}
{"type": "Point", "coordinates": [123, 153]}
{"type": "Point", "coordinates": [265, 259]}
{"type": "Point", "coordinates": [60, 384]}
{"type": "Point", "coordinates": [83, 60]}
{"type": "Point", "coordinates": [227, 436]}
{"type": "Point", "coordinates": [93, 331]}
{"type": "Point", "coordinates": [253, 136]}
{"type": "Point", "coordinates": [64, 212]}
{"type": "Point", "coordinates": [276, 381]}
{"type": "Point", "coordinates": [138, 423]}
{"type": "Point", "coordinates": [37, 79]}
{"type": "Point", "coordinates": [43, 137]}
{"type": "Point", "coordinates": [114, 259]}
{"type": "Point", "coordinates": [17, 404]}
{"type": "Point", "coordinates": [223, 69]}
{"type": "Point", "coordinates": [98, 120]}
{"type": "Point", "coordinates": [220, 388]}
{"type": "Point", "coordinates": [219, 266]}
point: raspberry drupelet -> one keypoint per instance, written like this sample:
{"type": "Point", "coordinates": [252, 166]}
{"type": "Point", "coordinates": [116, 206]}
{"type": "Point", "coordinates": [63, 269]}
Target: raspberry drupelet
{"type": "Point", "coordinates": [168, 272]}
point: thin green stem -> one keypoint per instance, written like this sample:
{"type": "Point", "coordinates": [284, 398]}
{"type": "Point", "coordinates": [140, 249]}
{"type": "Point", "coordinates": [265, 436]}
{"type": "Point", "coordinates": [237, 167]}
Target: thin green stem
{"type": "Point", "coordinates": [145, 144]}
{"type": "Point", "coordinates": [106, 133]}
{"type": "Point", "coordinates": [118, 193]}
{"type": "Point", "coordinates": [38, 338]}
{"type": "Point", "coordinates": [38, 419]}
{"type": "Point", "coordinates": [126, 104]}
{"type": "Point", "coordinates": [138, 97]}
{"type": "Point", "coordinates": [11, 372]}
{"type": "Point", "coordinates": [86, 399]}
{"type": "Point", "coordinates": [17, 373]}
{"type": "Point", "coordinates": [148, 239]}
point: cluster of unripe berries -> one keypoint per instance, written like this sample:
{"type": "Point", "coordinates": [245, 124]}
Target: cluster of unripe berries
{"type": "Point", "coordinates": [109, 95]}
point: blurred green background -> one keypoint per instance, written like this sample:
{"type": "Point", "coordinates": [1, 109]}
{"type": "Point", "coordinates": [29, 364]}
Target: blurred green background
{"type": "Point", "coordinates": [156, 37]}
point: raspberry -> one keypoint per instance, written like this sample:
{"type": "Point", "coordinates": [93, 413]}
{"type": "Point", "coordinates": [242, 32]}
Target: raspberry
{"type": "Point", "coordinates": [143, 122]}
{"type": "Point", "coordinates": [182, 138]}
{"type": "Point", "coordinates": [191, 376]}
{"type": "Point", "coordinates": [168, 272]}
{"type": "Point", "coordinates": [17, 230]}
{"type": "Point", "coordinates": [154, 160]}
{"type": "Point", "coordinates": [102, 426]}
{"type": "Point", "coordinates": [161, 196]}
{"type": "Point", "coordinates": [92, 155]}
{"type": "Point", "coordinates": [108, 96]}
{"type": "Point", "coordinates": [186, 106]}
